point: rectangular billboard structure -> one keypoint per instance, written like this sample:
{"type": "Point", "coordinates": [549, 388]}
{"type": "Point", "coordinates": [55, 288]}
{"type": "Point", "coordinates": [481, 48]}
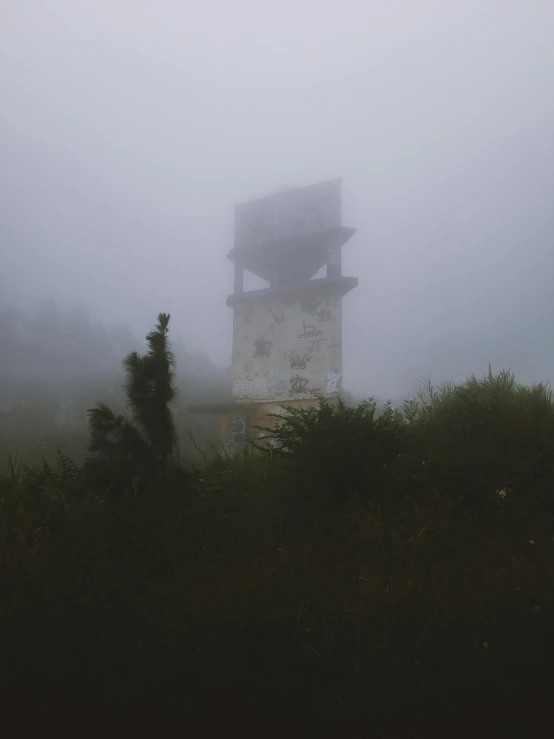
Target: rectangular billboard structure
{"type": "Point", "coordinates": [281, 217]}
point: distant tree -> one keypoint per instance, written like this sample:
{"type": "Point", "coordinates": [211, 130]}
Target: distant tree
{"type": "Point", "coordinates": [61, 343]}
{"type": "Point", "coordinates": [140, 445]}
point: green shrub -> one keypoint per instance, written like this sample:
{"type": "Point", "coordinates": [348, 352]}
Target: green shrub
{"type": "Point", "coordinates": [248, 594]}
{"type": "Point", "coordinates": [485, 435]}
{"type": "Point", "coordinates": [33, 502]}
{"type": "Point", "coordinates": [341, 450]}
{"type": "Point", "coordinates": [469, 441]}
{"type": "Point", "coordinates": [398, 609]}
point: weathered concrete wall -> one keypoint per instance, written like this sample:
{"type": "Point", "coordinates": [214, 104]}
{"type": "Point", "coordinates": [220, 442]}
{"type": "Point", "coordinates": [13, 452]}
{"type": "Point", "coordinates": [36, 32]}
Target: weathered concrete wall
{"type": "Point", "coordinates": [241, 425]}
{"type": "Point", "coordinates": [288, 348]}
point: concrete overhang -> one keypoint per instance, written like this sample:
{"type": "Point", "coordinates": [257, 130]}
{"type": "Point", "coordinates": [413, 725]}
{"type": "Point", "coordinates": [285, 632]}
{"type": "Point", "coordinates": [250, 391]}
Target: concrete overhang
{"type": "Point", "coordinates": [343, 285]}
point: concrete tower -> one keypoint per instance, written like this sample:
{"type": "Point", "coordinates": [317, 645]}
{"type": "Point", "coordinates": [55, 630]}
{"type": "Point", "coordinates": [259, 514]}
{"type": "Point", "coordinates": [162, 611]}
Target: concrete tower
{"type": "Point", "coordinates": [287, 338]}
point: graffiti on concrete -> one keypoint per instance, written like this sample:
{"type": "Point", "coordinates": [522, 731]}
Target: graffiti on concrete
{"type": "Point", "coordinates": [298, 385]}
{"type": "Point", "coordinates": [237, 430]}
{"type": "Point", "coordinates": [315, 344]}
{"type": "Point", "coordinates": [332, 382]}
{"type": "Point", "coordinates": [299, 362]}
{"type": "Point", "coordinates": [285, 343]}
{"type": "Point", "coordinates": [309, 331]}
{"type": "Point", "coordinates": [278, 317]}
{"type": "Point", "coordinates": [317, 306]}
{"type": "Point", "coordinates": [262, 347]}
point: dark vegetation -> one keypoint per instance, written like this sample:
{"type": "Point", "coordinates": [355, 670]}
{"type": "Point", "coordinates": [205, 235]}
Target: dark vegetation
{"type": "Point", "coordinates": [377, 573]}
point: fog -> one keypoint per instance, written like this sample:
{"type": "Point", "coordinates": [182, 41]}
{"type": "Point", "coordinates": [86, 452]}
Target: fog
{"type": "Point", "coordinates": [129, 130]}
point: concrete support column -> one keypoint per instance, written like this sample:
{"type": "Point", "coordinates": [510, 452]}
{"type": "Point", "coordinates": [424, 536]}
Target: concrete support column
{"type": "Point", "coordinates": [239, 278]}
{"type": "Point", "coordinates": [334, 263]}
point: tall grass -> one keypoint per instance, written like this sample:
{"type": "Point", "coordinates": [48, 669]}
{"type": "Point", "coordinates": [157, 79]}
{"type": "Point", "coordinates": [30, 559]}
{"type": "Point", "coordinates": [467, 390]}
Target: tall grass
{"type": "Point", "coordinates": [263, 596]}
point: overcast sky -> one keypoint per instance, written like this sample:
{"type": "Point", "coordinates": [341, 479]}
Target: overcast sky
{"type": "Point", "coordinates": [130, 128]}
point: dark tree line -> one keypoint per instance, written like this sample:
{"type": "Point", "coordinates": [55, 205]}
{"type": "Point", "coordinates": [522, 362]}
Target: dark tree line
{"type": "Point", "coordinates": [53, 341]}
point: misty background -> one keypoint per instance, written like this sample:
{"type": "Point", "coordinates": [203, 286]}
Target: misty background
{"type": "Point", "coordinates": [129, 130]}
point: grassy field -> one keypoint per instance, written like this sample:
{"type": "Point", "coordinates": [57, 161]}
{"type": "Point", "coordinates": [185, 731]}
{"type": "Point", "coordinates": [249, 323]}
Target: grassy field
{"type": "Point", "coordinates": [391, 575]}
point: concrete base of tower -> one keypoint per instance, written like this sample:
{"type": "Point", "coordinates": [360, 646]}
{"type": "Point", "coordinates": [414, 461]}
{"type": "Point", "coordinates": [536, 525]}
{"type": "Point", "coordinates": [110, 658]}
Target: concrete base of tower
{"type": "Point", "coordinates": [241, 423]}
